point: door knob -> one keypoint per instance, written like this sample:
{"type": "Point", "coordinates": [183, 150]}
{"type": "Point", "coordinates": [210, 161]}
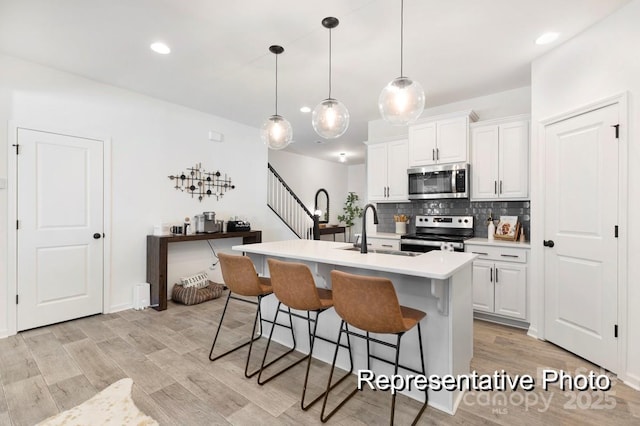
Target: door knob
{"type": "Point", "coordinates": [97, 236]}
{"type": "Point", "coordinates": [548, 243]}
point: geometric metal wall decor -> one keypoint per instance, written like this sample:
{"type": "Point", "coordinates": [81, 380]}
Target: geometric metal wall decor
{"type": "Point", "coordinates": [198, 182]}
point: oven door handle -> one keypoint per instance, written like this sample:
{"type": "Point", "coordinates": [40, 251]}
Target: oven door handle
{"type": "Point", "coordinates": [427, 243]}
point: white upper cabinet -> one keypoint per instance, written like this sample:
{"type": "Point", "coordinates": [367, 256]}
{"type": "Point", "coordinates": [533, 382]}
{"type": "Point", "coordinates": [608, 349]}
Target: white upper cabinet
{"type": "Point", "coordinates": [441, 140]}
{"type": "Point", "coordinates": [387, 165]}
{"type": "Point", "coordinates": [500, 159]}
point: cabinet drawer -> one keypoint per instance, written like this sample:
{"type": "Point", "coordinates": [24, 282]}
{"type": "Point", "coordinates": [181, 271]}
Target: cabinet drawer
{"type": "Point", "coordinates": [383, 244]}
{"type": "Point", "coordinates": [505, 254]}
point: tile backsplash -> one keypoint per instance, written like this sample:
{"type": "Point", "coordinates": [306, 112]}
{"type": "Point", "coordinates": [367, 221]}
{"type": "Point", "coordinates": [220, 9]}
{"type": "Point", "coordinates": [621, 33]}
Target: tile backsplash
{"type": "Point", "coordinates": [480, 210]}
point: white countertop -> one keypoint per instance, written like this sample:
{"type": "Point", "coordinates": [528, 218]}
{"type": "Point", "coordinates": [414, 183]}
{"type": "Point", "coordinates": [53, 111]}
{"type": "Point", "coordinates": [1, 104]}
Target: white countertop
{"type": "Point", "coordinates": [434, 264]}
{"type": "Point", "coordinates": [497, 243]}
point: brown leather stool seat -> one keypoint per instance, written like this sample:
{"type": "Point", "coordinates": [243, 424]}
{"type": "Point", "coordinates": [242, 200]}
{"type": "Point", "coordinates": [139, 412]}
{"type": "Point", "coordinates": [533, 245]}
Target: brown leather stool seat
{"type": "Point", "coordinates": [240, 276]}
{"type": "Point", "coordinates": [371, 304]}
{"type": "Point", "coordinates": [294, 287]}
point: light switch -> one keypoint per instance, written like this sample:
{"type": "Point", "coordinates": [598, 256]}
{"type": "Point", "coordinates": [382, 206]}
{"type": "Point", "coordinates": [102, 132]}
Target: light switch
{"type": "Point", "coordinates": [3, 183]}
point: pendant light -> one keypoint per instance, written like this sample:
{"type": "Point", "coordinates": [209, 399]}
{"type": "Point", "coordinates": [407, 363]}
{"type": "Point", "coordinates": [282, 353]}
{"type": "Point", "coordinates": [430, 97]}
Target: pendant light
{"type": "Point", "coordinates": [276, 131]}
{"type": "Point", "coordinates": [402, 100]}
{"type": "Point", "coordinates": [330, 118]}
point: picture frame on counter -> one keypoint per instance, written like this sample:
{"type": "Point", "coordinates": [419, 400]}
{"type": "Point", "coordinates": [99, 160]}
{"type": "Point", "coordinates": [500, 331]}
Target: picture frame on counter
{"type": "Point", "coordinates": [508, 228]}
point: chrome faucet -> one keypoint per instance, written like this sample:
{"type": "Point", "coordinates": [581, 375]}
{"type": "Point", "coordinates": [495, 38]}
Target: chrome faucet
{"type": "Point", "coordinates": [363, 244]}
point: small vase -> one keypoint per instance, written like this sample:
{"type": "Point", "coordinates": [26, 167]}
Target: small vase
{"type": "Point", "coordinates": [401, 227]}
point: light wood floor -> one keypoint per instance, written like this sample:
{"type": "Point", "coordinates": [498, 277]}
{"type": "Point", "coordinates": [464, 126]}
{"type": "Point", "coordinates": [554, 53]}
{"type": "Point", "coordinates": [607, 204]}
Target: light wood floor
{"type": "Point", "coordinates": [50, 369]}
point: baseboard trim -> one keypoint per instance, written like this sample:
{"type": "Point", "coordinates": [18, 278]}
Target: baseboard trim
{"type": "Point", "coordinates": [511, 322]}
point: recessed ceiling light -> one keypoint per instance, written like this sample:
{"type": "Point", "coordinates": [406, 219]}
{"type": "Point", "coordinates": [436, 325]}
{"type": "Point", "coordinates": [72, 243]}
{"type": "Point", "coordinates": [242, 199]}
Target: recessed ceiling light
{"type": "Point", "coordinates": [305, 109]}
{"type": "Point", "coordinates": [343, 157]}
{"type": "Point", "coordinates": [547, 38]}
{"type": "Point", "coordinates": [160, 48]}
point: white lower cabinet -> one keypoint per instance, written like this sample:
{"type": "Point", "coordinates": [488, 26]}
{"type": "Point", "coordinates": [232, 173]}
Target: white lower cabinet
{"type": "Point", "coordinates": [500, 281]}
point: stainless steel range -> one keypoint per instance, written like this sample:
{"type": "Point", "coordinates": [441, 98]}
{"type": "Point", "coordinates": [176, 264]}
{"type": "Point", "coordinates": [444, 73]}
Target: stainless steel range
{"type": "Point", "coordinates": [432, 231]}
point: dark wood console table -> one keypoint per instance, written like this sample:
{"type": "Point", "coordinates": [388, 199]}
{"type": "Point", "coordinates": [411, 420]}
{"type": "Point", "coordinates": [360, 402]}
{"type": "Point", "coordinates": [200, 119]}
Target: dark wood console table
{"type": "Point", "coordinates": [333, 230]}
{"type": "Point", "coordinates": [157, 248]}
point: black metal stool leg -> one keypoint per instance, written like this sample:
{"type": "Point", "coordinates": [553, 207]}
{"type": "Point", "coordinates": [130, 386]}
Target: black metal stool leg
{"type": "Point", "coordinates": [253, 338]}
{"type": "Point", "coordinates": [306, 378]}
{"type": "Point", "coordinates": [263, 366]}
{"type": "Point", "coordinates": [395, 374]}
{"type": "Point", "coordinates": [333, 365]}
{"type": "Point", "coordinates": [424, 372]}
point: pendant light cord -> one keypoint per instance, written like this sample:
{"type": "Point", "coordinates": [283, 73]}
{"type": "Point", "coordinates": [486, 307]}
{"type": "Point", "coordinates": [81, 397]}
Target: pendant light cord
{"type": "Point", "coordinates": [401, 37]}
{"type": "Point", "coordinates": [276, 84]}
{"type": "Point", "coordinates": [329, 63]}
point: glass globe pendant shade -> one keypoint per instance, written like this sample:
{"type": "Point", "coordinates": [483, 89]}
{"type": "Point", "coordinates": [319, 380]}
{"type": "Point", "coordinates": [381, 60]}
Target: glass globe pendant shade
{"type": "Point", "coordinates": [401, 101]}
{"type": "Point", "coordinates": [276, 132]}
{"type": "Point", "coordinates": [330, 119]}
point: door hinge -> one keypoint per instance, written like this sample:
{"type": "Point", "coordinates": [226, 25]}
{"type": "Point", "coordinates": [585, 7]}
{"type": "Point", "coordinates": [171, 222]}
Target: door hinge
{"type": "Point", "coordinates": [17, 224]}
{"type": "Point", "coordinates": [16, 299]}
{"type": "Point", "coordinates": [615, 331]}
{"type": "Point", "coordinates": [617, 127]}
{"type": "Point", "coordinates": [615, 231]}
{"type": "Point", "coordinates": [17, 148]}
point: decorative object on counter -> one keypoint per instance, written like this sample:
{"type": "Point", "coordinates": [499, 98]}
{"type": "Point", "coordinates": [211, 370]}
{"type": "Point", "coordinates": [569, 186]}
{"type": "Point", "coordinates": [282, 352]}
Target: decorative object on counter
{"type": "Point", "coordinates": [238, 226]}
{"type": "Point", "coordinates": [187, 223]}
{"type": "Point", "coordinates": [508, 228]}
{"type": "Point", "coordinates": [197, 181]}
{"type": "Point", "coordinates": [194, 295]}
{"type": "Point", "coordinates": [330, 119]}
{"type": "Point", "coordinates": [402, 100]}
{"type": "Point", "coordinates": [162, 229]}
{"type": "Point", "coordinates": [352, 210]}
{"type": "Point", "coordinates": [401, 221]}
{"type": "Point", "coordinates": [276, 131]}
{"type": "Point", "coordinates": [522, 237]}
{"type": "Point", "coordinates": [491, 228]}
{"type": "Point", "coordinates": [176, 229]}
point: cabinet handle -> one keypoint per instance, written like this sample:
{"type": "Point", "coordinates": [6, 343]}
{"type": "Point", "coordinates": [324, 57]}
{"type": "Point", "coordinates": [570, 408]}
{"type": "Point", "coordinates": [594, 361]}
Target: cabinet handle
{"type": "Point", "coordinates": [501, 187]}
{"type": "Point", "coordinates": [510, 255]}
{"type": "Point", "coordinates": [386, 245]}
{"type": "Point", "coordinates": [495, 187]}
{"type": "Point", "coordinates": [496, 275]}
{"type": "Point", "coordinates": [433, 154]}
{"type": "Point", "coordinates": [491, 275]}
{"type": "Point", "coordinates": [437, 153]}
{"type": "Point", "coordinates": [479, 252]}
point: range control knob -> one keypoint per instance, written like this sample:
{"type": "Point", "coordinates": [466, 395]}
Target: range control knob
{"type": "Point", "coordinates": [466, 221]}
{"type": "Point", "coordinates": [459, 220]}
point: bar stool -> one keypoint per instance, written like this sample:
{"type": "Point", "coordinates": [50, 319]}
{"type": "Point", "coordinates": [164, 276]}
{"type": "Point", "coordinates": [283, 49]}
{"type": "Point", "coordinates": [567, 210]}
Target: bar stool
{"type": "Point", "coordinates": [295, 288]}
{"type": "Point", "coordinates": [371, 304]}
{"type": "Point", "coordinates": [240, 276]}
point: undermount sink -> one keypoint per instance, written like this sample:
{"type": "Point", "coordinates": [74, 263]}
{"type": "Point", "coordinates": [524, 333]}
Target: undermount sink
{"type": "Point", "coordinates": [382, 251]}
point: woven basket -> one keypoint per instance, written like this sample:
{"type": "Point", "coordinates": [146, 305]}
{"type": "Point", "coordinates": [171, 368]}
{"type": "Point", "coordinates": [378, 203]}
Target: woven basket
{"type": "Point", "coordinates": [194, 295]}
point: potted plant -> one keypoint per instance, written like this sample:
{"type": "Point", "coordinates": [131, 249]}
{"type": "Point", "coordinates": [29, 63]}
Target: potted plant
{"type": "Point", "coordinates": [352, 210]}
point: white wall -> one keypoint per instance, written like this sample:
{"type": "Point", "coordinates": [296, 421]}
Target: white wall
{"type": "Point", "coordinates": [497, 105]}
{"type": "Point", "coordinates": [598, 63]}
{"type": "Point", "coordinates": [150, 139]}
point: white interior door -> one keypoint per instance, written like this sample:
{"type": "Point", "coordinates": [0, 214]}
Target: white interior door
{"type": "Point", "coordinates": [60, 214]}
{"type": "Point", "coordinates": [581, 212]}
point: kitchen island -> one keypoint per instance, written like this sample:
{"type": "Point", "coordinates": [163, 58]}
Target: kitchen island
{"type": "Point", "coordinates": [437, 282]}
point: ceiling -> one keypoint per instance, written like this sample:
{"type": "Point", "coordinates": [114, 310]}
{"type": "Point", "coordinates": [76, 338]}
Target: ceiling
{"type": "Point", "coordinates": [220, 62]}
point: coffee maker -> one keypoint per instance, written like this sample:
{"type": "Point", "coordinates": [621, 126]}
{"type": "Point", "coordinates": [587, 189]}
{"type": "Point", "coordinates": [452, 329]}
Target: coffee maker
{"type": "Point", "coordinates": [206, 223]}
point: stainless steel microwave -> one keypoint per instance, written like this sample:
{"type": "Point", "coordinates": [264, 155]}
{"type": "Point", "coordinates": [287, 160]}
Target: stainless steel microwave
{"type": "Point", "coordinates": [439, 181]}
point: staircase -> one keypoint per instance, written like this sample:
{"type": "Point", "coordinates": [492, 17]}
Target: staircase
{"type": "Point", "coordinates": [289, 208]}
